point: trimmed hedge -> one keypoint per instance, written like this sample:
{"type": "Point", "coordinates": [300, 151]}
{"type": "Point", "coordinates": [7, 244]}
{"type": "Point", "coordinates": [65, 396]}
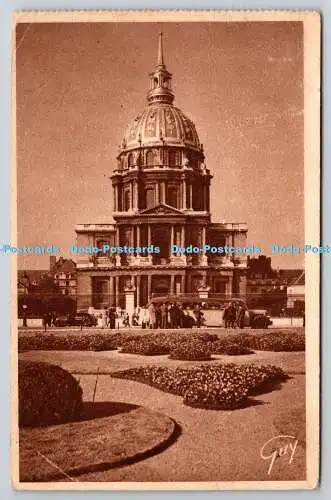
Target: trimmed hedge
{"type": "Point", "coordinates": [225, 386]}
{"type": "Point", "coordinates": [48, 394]}
{"type": "Point", "coordinates": [75, 342]}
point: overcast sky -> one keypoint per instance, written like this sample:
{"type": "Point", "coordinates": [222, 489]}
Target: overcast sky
{"type": "Point", "coordinates": [79, 85]}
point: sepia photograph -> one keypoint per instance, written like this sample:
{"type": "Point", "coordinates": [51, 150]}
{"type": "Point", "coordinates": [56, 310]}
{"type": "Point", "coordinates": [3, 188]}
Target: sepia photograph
{"type": "Point", "coordinates": [165, 250]}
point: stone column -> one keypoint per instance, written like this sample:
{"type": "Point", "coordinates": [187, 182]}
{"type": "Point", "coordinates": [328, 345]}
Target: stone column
{"type": "Point", "coordinates": [203, 257]}
{"type": "Point", "coordinates": [149, 235]}
{"type": "Point", "coordinates": [243, 286]}
{"type": "Point", "coordinates": [157, 193]}
{"type": "Point", "coordinates": [183, 193]}
{"type": "Point", "coordinates": [111, 291]}
{"type": "Point", "coordinates": [182, 237]}
{"type": "Point", "coordinates": [131, 197]}
{"type": "Point", "coordinates": [189, 283]}
{"type": "Point", "coordinates": [163, 193]}
{"type": "Point", "coordinates": [182, 284]}
{"type": "Point", "coordinates": [117, 293]}
{"type": "Point", "coordinates": [172, 284]}
{"type": "Point", "coordinates": [149, 287]}
{"type": "Point", "coordinates": [135, 195]}
{"type": "Point", "coordinates": [228, 287]}
{"type": "Point", "coordinates": [117, 244]}
{"type": "Point", "coordinates": [190, 196]}
{"type": "Point", "coordinates": [129, 300]}
{"type": "Point", "coordinates": [115, 198]}
{"type": "Point", "coordinates": [172, 235]}
{"type": "Point", "coordinates": [138, 235]}
{"type": "Point", "coordinates": [138, 290]}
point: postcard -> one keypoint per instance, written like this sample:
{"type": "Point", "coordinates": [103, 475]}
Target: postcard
{"type": "Point", "coordinates": [165, 250]}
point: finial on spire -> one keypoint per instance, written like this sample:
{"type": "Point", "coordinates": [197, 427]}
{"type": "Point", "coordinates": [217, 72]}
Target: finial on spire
{"type": "Point", "coordinates": [160, 60]}
{"type": "Point", "coordinates": [160, 88]}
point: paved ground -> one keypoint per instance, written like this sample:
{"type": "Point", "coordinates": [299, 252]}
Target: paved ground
{"type": "Point", "coordinates": [88, 362]}
{"type": "Point", "coordinates": [213, 445]}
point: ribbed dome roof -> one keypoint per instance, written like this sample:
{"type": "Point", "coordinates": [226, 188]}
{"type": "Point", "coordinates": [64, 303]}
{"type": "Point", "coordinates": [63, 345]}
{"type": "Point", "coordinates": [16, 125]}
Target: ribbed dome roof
{"type": "Point", "coordinates": [161, 123]}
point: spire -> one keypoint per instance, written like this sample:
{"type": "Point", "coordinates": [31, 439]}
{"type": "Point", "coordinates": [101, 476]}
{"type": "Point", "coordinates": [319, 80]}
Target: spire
{"type": "Point", "coordinates": [160, 86]}
{"type": "Point", "coordinates": [160, 60]}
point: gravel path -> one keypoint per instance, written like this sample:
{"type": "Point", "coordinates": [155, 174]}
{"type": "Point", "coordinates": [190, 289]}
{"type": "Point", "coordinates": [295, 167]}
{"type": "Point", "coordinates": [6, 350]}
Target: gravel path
{"type": "Point", "coordinates": [214, 445]}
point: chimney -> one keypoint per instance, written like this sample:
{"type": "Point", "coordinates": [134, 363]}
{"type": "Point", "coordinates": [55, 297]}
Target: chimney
{"type": "Point", "coordinates": [52, 261]}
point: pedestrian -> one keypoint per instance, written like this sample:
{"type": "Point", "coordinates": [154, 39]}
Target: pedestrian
{"type": "Point", "coordinates": [230, 316]}
{"type": "Point", "coordinates": [240, 316]}
{"type": "Point", "coordinates": [173, 317]}
{"type": "Point", "coordinates": [226, 317]}
{"type": "Point", "coordinates": [152, 317]}
{"type": "Point", "coordinates": [164, 315]}
{"type": "Point", "coordinates": [111, 318]}
{"type": "Point", "coordinates": [158, 317]}
{"type": "Point", "coordinates": [45, 321]}
{"type": "Point", "coordinates": [126, 320]}
{"type": "Point", "coordinates": [198, 315]}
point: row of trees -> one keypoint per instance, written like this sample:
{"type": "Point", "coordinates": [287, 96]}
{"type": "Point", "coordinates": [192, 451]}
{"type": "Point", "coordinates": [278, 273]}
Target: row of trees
{"type": "Point", "coordinates": [44, 297]}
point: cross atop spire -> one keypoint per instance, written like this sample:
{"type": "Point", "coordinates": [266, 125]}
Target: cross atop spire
{"type": "Point", "coordinates": [160, 86]}
{"type": "Point", "coordinates": [160, 59]}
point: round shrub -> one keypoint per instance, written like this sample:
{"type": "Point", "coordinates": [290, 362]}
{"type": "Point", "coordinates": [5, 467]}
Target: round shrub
{"type": "Point", "coordinates": [144, 346]}
{"type": "Point", "coordinates": [220, 347]}
{"type": "Point", "coordinates": [191, 351]}
{"type": "Point", "coordinates": [48, 394]}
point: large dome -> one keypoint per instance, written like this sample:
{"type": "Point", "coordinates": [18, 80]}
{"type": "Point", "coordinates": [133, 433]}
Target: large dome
{"type": "Point", "coordinates": [161, 123]}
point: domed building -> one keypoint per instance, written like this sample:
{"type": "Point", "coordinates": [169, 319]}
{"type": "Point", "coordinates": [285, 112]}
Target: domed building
{"type": "Point", "coordinates": [161, 198]}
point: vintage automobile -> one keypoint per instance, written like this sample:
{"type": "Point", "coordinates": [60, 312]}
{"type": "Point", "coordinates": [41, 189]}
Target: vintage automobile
{"type": "Point", "coordinates": [213, 310]}
{"type": "Point", "coordinates": [78, 319]}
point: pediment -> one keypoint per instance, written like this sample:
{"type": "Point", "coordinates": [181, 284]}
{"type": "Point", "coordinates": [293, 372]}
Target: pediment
{"type": "Point", "coordinates": [161, 209]}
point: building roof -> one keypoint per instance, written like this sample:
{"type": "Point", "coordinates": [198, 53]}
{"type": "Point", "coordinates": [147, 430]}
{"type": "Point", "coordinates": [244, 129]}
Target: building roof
{"type": "Point", "coordinates": [64, 265]}
{"type": "Point", "coordinates": [34, 275]}
{"type": "Point", "coordinates": [292, 276]}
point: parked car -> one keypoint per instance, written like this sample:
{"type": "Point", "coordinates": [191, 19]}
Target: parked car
{"type": "Point", "coordinates": [257, 318]}
{"type": "Point", "coordinates": [78, 319]}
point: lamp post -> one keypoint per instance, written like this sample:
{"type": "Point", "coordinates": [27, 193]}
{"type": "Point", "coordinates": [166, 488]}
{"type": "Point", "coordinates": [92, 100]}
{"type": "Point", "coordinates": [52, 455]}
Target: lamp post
{"type": "Point", "coordinates": [25, 322]}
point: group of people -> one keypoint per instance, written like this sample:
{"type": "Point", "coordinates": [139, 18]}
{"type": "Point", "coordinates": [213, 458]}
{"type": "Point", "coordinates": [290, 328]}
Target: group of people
{"type": "Point", "coordinates": [234, 315]}
{"type": "Point", "coordinates": [48, 319]}
{"type": "Point", "coordinates": [166, 315]}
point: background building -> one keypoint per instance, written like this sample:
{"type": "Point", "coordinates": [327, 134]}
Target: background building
{"type": "Point", "coordinates": [161, 193]}
{"type": "Point", "coordinates": [63, 272]}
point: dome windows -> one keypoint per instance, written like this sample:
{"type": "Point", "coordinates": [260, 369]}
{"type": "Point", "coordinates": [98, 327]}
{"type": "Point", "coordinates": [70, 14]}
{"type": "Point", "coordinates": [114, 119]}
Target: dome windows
{"type": "Point", "coordinates": [131, 160]}
{"type": "Point", "coordinates": [173, 158]}
{"type": "Point", "coordinates": [150, 158]}
{"type": "Point", "coordinates": [172, 196]}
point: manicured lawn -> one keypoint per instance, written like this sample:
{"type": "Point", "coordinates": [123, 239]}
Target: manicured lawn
{"type": "Point", "coordinates": [64, 451]}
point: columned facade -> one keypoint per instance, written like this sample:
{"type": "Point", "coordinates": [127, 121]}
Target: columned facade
{"type": "Point", "coordinates": [161, 198]}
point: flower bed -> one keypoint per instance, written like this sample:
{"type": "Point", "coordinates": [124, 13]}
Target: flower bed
{"type": "Point", "coordinates": [145, 347]}
{"type": "Point", "coordinates": [192, 351]}
{"type": "Point", "coordinates": [225, 386]}
{"type": "Point", "coordinates": [171, 342]}
{"type": "Point", "coordinates": [86, 342]}
{"type": "Point", "coordinates": [48, 394]}
{"type": "Point", "coordinates": [229, 348]}
{"type": "Point", "coordinates": [279, 341]}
